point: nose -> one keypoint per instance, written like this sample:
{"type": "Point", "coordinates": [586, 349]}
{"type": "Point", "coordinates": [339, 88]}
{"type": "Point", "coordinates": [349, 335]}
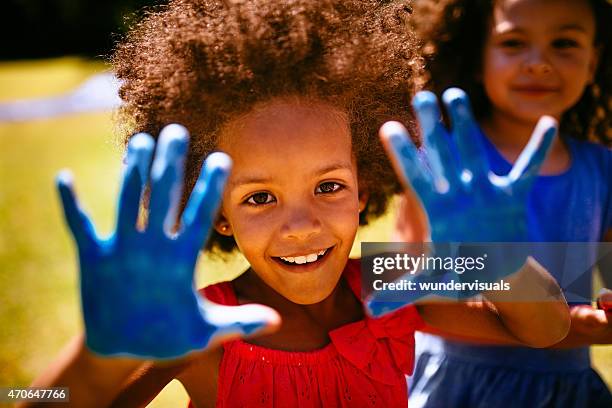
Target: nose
{"type": "Point", "coordinates": [536, 62]}
{"type": "Point", "coordinates": [300, 223]}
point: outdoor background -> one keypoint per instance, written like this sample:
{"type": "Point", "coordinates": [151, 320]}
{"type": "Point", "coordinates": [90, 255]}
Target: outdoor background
{"type": "Point", "coordinates": [53, 51]}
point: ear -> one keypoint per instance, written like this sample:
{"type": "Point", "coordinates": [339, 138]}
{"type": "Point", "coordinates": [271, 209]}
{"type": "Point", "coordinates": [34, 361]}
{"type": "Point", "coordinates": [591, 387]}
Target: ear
{"type": "Point", "coordinates": [363, 200]}
{"type": "Point", "coordinates": [222, 226]}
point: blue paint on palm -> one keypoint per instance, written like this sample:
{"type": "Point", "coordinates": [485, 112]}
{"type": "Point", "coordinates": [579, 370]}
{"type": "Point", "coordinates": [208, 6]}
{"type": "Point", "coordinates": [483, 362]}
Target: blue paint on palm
{"type": "Point", "coordinates": [464, 200]}
{"type": "Point", "coordinates": [137, 287]}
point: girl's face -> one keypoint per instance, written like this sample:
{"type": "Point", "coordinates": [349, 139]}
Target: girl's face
{"type": "Point", "coordinates": [538, 57]}
{"type": "Point", "coordinates": [292, 201]}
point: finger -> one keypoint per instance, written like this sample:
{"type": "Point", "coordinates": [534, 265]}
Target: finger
{"type": "Point", "coordinates": [167, 178]}
{"type": "Point", "coordinates": [465, 129]}
{"type": "Point", "coordinates": [78, 222]}
{"type": "Point", "coordinates": [588, 315]}
{"type": "Point", "coordinates": [238, 321]}
{"type": "Point", "coordinates": [140, 151]}
{"type": "Point", "coordinates": [529, 162]}
{"type": "Point", "coordinates": [405, 158]}
{"type": "Point", "coordinates": [201, 209]}
{"type": "Point", "coordinates": [437, 142]}
{"type": "Point", "coordinates": [604, 300]}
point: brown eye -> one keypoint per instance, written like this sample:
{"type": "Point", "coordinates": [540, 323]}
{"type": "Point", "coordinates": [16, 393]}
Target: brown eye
{"type": "Point", "coordinates": [565, 43]}
{"type": "Point", "coordinates": [328, 187]}
{"type": "Point", "coordinates": [512, 44]}
{"type": "Point", "coordinates": [260, 199]}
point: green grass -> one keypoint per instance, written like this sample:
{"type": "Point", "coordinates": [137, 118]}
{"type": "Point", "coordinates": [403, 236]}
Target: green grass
{"type": "Point", "coordinates": [39, 309]}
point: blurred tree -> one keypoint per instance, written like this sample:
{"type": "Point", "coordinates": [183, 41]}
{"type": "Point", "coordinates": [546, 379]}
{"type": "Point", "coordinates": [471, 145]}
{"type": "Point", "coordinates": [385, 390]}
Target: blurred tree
{"type": "Point", "coordinates": [49, 28]}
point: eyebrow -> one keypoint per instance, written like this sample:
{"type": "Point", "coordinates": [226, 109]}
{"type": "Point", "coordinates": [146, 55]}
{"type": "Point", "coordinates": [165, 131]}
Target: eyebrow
{"type": "Point", "coordinates": [572, 26]}
{"type": "Point", "coordinates": [263, 180]}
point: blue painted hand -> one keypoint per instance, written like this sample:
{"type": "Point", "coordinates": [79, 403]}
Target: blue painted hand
{"type": "Point", "coordinates": [137, 287]}
{"type": "Point", "coordinates": [463, 199]}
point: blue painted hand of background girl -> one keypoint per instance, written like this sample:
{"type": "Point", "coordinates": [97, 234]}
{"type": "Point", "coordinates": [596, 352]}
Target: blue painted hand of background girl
{"type": "Point", "coordinates": [463, 199]}
{"type": "Point", "coordinates": [137, 288]}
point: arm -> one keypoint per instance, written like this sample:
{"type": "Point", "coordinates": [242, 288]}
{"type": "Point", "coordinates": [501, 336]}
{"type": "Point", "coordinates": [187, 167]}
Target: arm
{"type": "Point", "coordinates": [411, 223]}
{"type": "Point", "coordinates": [198, 374]}
{"type": "Point", "coordinates": [498, 319]}
{"type": "Point", "coordinates": [93, 381]}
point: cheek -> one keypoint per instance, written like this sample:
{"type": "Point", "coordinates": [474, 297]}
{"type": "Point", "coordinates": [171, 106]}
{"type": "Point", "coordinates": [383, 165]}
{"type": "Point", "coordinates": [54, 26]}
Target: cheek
{"type": "Point", "coordinates": [497, 70]}
{"type": "Point", "coordinates": [497, 66]}
{"type": "Point", "coordinates": [343, 217]}
{"type": "Point", "coordinates": [576, 70]}
{"type": "Point", "coordinates": [251, 231]}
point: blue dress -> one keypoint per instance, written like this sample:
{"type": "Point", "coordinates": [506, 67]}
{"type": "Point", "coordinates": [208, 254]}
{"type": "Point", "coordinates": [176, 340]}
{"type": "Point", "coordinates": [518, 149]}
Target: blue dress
{"type": "Point", "coordinates": [575, 206]}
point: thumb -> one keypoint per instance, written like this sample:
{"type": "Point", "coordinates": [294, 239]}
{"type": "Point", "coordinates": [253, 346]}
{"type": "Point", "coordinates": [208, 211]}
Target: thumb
{"type": "Point", "coordinates": [233, 322]}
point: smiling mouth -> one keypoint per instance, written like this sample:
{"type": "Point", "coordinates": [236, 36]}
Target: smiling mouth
{"type": "Point", "coordinates": [304, 261]}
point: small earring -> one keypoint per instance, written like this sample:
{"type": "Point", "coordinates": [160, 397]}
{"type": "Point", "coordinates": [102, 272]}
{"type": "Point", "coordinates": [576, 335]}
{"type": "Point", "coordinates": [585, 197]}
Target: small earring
{"type": "Point", "coordinates": [224, 228]}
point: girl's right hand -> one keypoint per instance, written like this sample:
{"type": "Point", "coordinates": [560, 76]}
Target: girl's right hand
{"type": "Point", "coordinates": [137, 286]}
{"type": "Point", "coordinates": [464, 200]}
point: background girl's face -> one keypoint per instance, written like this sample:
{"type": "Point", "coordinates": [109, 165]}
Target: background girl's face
{"type": "Point", "coordinates": [292, 201]}
{"type": "Point", "coordinates": [538, 57]}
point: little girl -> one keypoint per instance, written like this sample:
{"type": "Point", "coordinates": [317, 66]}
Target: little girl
{"type": "Point", "coordinates": [519, 60]}
{"type": "Point", "coordinates": [294, 92]}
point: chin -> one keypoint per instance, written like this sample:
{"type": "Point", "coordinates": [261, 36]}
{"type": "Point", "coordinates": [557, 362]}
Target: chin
{"type": "Point", "coordinates": [306, 299]}
{"type": "Point", "coordinates": [309, 291]}
{"type": "Point", "coordinates": [532, 112]}
{"type": "Point", "coordinates": [532, 116]}
{"type": "Point", "coordinates": [310, 294]}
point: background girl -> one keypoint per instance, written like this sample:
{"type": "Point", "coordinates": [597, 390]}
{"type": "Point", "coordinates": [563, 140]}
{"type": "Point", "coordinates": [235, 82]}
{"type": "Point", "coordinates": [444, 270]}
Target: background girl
{"type": "Point", "coordinates": [519, 60]}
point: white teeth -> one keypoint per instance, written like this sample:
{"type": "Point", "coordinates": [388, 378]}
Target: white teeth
{"type": "Point", "coordinates": [303, 258]}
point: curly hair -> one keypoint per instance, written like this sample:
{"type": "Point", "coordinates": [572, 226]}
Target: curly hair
{"type": "Point", "coordinates": [453, 34]}
{"type": "Point", "coordinates": [202, 63]}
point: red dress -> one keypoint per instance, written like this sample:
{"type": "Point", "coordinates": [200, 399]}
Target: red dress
{"type": "Point", "coordinates": [363, 366]}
